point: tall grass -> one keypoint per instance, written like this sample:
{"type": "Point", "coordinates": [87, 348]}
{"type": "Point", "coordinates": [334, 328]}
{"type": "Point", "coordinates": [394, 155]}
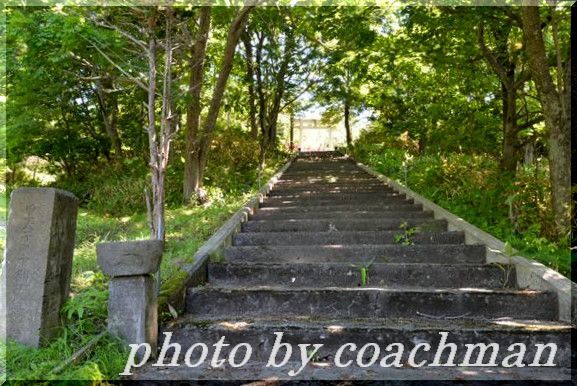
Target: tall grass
{"type": "Point", "coordinates": [515, 209]}
{"type": "Point", "coordinates": [84, 314]}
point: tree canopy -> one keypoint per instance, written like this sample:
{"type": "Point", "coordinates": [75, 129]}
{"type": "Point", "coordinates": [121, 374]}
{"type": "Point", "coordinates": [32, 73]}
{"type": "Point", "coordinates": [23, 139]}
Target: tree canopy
{"type": "Point", "coordinates": [152, 88]}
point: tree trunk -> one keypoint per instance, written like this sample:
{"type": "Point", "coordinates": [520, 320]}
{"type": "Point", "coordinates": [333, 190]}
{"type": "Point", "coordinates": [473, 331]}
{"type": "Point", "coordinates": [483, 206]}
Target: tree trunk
{"type": "Point", "coordinates": [192, 179]}
{"type": "Point", "coordinates": [196, 176]}
{"type": "Point", "coordinates": [504, 67]}
{"type": "Point", "coordinates": [250, 84]}
{"type": "Point", "coordinates": [292, 131]}
{"type": "Point", "coordinates": [233, 37]}
{"type": "Point", "coordinates": [348, 123]}
{"type": "Point", "coordinates": [556, 111]}
{"type": "Point", "coordinates": [155, 181]}
{"type": "Point", "coordinates": [511, 144]}
{"type": "Point", "coordinates": [280, 87]}
{"type": "Point", "coordinates": [262, 109]}
{"type": "Point", "coordinates": [109, 111]}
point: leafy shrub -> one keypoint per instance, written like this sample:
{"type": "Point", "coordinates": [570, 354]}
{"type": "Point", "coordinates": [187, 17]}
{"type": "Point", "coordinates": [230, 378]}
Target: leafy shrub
{"type": "Point", "coordinates": [120, 195]}
{"type": "Point", "coordinates": [515, 209]}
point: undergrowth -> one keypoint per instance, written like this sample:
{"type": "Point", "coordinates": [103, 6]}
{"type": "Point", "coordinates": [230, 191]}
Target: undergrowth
{"type": "Point", "coordinates": [514, 209]}
{"type": "Point", "coordinates": [100, 220]}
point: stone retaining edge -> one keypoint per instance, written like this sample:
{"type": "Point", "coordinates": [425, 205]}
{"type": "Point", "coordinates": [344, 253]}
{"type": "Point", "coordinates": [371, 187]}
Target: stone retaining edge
{"type": "Point", "coordinates": [530, 273]}
{"type": "Point", "coordinates": [197, 271]}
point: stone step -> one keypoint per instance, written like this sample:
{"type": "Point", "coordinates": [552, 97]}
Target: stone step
{"type": "Point", "coordinates": [326, 161]}
{"type": "Point", "coordinates": [315, 165]}
{"type": "Point", "coordinates": [340, 189]}
{"type": "Point", "coordinates": [342, 225]}
{"type": "Point", "coordinates": [342, 213]}
{"type": "Point", "coordinates": [359, 204]}
{"type": "Point", "coordinates": [348, 238]}
{"type": "Point", "coordinates": [326, 372]}
{"type": "Point", "coordinates": [312, 155]}
{"type": "Point", "coordinates": [303, 174]}
{"type": "Point", "coordinates": [325, 169]}
{"type": "Point", "coordinates": [398, 205]}
{"type": "Point", "coordinates": [327, 181]}
{"type": "Point", "coordinates": [337, 196]}
{"type": "Point", "coordinates": [358, 254]}
{"type": "Point", "coordinates": [350, 275]}
{"type": "Point", "coordinates": [333, 333]}
{"type": "Point", "coordinates": [368, 302]}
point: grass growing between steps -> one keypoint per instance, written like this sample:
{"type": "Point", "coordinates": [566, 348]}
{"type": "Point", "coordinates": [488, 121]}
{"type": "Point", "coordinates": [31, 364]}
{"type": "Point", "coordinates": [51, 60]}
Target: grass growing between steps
{"type": "Point", "coordinates": [85, 313]}
{"type": "Point", "coordinates": [516, 209]}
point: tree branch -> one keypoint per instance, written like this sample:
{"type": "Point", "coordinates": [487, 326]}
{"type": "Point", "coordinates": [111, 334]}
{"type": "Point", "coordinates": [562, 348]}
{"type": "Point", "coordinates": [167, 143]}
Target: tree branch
{"type": "Point", "coordinates": [137, 81]}
{"type": "Point", "coordinates": [139, 43]}
{"type": "Point", "coordinates": [497, 67]}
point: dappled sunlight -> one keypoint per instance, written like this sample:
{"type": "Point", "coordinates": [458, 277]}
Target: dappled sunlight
{"type": "Point", "coordinates": [235, 326]}
{"type": "Point", "coordinates": [476, 289]}
{"type": "Point", "coordinates": [335, 329]}
{"type": "Point", "coordinates": [532, 325]}
{"type": "Point", "coordinates": [83, 280]}
{"type": "Point", "coordinates": [192, 125]}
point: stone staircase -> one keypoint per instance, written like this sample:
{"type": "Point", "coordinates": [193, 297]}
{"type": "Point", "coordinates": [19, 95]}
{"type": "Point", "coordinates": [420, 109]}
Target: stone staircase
{"type": "Point", "coordinates": [334, 256]}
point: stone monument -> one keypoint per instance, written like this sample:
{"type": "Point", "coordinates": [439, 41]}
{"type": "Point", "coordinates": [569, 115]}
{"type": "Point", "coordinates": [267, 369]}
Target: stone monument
{"type": "Point", "coordinates": [36, 276]}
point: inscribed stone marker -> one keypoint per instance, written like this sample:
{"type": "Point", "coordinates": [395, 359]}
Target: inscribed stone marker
{"type": "Point", "coordinates": [39, 249]}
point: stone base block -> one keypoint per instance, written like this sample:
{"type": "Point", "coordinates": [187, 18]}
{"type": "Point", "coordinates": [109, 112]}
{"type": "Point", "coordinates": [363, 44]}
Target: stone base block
{"type": "Point", "coordinates": [133, 309]}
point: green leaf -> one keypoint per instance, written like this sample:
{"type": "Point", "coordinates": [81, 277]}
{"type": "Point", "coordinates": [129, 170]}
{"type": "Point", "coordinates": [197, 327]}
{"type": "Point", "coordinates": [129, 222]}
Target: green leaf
{"type": "Point", "coordinates": [508, 250]}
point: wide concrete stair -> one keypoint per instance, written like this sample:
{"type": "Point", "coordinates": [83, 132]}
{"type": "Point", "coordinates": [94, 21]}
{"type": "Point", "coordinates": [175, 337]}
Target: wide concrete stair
{"type": "Point", "coordinates": [334, 256]}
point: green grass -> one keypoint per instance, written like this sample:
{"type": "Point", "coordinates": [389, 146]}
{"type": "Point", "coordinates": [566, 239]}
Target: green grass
{"type": "Point", "coordinates": [187, 228]}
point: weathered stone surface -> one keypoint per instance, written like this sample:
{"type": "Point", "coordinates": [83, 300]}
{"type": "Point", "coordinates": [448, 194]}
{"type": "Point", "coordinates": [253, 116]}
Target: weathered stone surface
{"type": "Point", "coordinates": [312, 190]}
{"type": "Point", "coordinates": [133, 309]}
{"type": "Point", "coordinates": [130, 258]}
{"type": "Point", "coordinates": [319, 225]}
{"type": "Point", "coordinates": [349, 275]}
{"type": "Point", "coordinates": [346, 237]}
{"type": "Point", "coordinates": [326, 372]}
{"type": "Point", "coordinates": [39, 249]}
{"type": "Point", "coordinates": [358, 254]}
{"type": "Point", "coordinates": [370, 302]}
{"type": "Point", "coordinates": [360, 213]}
{"type": "Point", "coordinates": [316, 262]}
{"type": "Point", "coordinates": [318, 207]}
{"type": "Point", "coordinates": [259, 333]}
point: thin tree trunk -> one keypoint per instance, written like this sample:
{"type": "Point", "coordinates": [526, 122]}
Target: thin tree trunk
{"type": "Point", "coordinates": [152, 135]}
{"type": "Point", "coordinates": [280, 87]}
{"type": "Point", "coordinates": [292, 131]}
{"type": "Point", "coordinates": [109, 112]}
{"type": "Point", "coordinates": [511, 143]}
{"type": "Point", "coordinates": [192, 177]}
{"type": "Point", "coordinates": [262, 112]}
{"type": "Point", "coordinates": [262, 107]}
{"type": "Point", "coordinates": [504, 67]}
{"type": "Point", "coordinates": [557, 118]}
{"type": "Point", "coordinates": [167, 125]}
{"type": "Point", "coordinates": [347, 122]}
{"type": "Point", "coordinates": [250, 84]}
{"type": "Point", "coordinates": [233, 37]}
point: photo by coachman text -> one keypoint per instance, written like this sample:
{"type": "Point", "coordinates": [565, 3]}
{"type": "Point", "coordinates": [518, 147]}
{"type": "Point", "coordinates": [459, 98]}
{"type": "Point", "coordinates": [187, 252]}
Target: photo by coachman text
{"type": "Point", "coordinates": [349, 354]}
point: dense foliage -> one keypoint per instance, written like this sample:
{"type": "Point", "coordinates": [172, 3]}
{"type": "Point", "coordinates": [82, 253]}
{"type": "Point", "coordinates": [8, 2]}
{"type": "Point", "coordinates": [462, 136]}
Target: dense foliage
{"type": "Point", "coordinates": [472, 186]}
{"type": "Point", "coordinates": [183, 105]}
